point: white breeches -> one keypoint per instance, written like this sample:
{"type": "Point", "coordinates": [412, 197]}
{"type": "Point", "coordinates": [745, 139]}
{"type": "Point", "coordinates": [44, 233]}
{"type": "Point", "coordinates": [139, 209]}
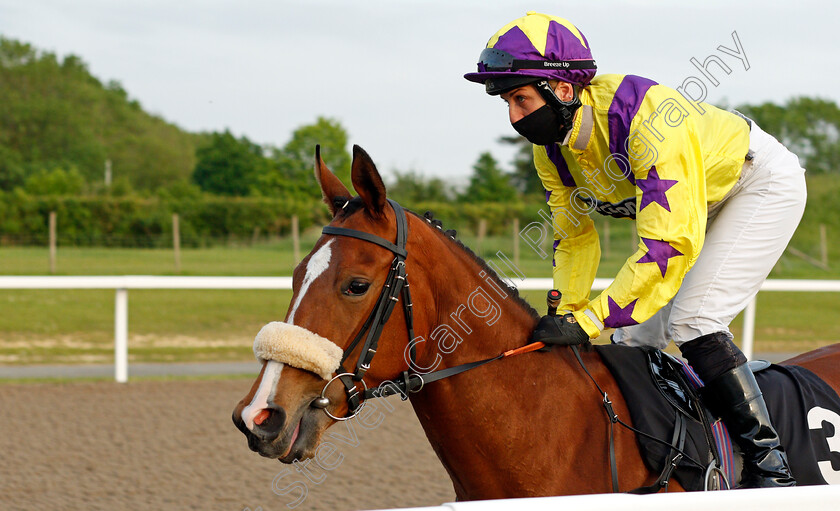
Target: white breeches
{"type": "Point", "coordinates": [745, 236]}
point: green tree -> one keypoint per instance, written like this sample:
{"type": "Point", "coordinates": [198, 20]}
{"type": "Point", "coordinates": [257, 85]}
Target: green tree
{"type": "Point", "coordinates": [179, 190]}
{"type": "Point", "coordinates": [55, 182]}
{"type": "Point", "coordinates": [12, 172]}
{"type": "Point", "coordinates": [809, 127]}
{"type": "Point", "coordinates": [411, 188]}
{"type": "Point", "coordinates": [489, 183]}
{"type": "Point", "coordinates": [55, 114]}
{"type": "Point", "coordinates": [292, 171]}
{"type": "Point", "coordinates": [524, 176]}
{"type": "Point", "coordinates": [227, 165]}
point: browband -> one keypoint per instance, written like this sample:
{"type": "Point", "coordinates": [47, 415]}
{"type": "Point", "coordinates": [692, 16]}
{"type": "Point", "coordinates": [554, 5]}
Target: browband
{"type": "Point", "coordinates": [352, 233]}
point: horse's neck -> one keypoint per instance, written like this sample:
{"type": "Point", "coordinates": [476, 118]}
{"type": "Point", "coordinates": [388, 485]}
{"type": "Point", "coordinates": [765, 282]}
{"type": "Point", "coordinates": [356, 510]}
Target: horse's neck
{"type": "Point", "coordinates": [481, 313]}
{"type": "Point", "coordinates": [527, 425]}
{"type": "Point", "coordinates": [485, 319]}
{"type": "Point", "coordinates": [485, 423]}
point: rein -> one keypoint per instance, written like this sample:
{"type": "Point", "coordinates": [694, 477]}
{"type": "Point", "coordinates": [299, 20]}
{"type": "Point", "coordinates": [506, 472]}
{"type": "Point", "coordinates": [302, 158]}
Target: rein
{"type": "Point", "coordinates": [396, 286]}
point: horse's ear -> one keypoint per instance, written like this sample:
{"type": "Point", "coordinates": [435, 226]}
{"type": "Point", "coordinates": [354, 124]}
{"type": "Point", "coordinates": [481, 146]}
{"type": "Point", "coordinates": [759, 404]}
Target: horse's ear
{"type": "Point", "coordinates": [368, 182]}
{"type": "Point", "coordinates": [331, 186]}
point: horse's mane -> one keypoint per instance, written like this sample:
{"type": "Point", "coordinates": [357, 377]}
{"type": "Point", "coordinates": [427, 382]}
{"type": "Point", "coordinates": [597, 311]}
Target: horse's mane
{"type": "Point", "coordinates": [449, 235]}
{"type": "Point", "coordinates": [350, 206]}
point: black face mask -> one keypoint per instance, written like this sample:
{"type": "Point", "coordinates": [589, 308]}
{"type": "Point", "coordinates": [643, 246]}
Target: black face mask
{"type": "Point", "coordinates": [541, 127]}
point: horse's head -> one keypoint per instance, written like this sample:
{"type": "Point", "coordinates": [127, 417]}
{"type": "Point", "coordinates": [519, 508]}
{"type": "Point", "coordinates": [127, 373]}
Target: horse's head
{"type": "Point", "coordinates": [344, 290]}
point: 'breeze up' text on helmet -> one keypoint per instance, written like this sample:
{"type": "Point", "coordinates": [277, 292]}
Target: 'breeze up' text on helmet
{"type": "Point", "coordinates": [533, 48]}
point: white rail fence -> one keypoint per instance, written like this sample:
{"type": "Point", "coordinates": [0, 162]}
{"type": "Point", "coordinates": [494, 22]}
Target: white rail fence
{"type": "Point", "coordinates": [812, 498]}
{"type": "Point", "coordinates": [121, 284]}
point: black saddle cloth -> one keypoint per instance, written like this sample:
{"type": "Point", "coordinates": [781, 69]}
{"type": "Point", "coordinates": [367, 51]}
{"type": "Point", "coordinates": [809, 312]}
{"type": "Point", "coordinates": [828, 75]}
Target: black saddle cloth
{"type": "Point", "coordinates": [793, 394]}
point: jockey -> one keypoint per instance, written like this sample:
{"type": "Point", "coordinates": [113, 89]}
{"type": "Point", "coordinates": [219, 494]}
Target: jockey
{"type": "Point", "coordinates": [715, 200]}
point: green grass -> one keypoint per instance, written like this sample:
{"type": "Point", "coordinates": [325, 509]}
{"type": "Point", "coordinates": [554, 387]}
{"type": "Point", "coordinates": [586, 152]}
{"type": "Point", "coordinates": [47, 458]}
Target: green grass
{"type": "Point", "coordinates": [274, 258]}
{"type": "Point", "coordinates": [66, 326]}
{"type": "Point", "coordinates": [76, 326]}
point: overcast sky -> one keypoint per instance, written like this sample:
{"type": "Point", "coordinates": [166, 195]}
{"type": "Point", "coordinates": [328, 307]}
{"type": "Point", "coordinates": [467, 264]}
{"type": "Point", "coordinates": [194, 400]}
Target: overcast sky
{"type": "Point", "coordinates": [391, 71]}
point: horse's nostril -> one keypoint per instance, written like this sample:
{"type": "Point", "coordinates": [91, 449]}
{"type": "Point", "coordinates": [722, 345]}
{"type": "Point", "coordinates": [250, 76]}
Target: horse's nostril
{"type": "Point", "coordinates": [269, 422]}
{"type": "Point", "coordinates": [261, 417]}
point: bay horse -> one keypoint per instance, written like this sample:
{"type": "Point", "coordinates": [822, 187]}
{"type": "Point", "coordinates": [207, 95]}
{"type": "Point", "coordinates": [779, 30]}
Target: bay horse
{"type": "Point", "coordinates": [519, 426]}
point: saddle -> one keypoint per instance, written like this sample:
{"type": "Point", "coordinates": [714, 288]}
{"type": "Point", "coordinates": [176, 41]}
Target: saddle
{"type": "Point", "coordinates": [680, 438]}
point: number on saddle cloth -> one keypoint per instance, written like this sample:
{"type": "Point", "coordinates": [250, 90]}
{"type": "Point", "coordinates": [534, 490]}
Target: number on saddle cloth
{"type": "Point", "coordinates": [806, 413]}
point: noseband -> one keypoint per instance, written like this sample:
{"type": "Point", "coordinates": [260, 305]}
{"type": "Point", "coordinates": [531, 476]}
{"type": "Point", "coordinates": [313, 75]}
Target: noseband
{"type": "Point", "coordinates": [396, 285]}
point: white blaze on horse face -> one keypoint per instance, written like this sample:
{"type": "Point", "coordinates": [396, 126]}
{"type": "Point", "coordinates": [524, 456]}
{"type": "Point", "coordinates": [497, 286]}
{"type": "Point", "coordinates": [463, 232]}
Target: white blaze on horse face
{"type": "Point", "coordinates": [317, 264]}
{"type": "Point", "coordinates": [264, 394]}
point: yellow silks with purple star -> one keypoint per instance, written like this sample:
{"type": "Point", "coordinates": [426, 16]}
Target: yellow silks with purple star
{"type": "Point", "coordinates": [634, 138]}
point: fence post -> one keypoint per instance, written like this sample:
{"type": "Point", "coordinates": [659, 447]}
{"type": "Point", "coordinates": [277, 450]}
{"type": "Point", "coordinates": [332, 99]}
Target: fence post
{"type": "Point", "coordinates": [296, 238]}
{"type": "Point", "coordinates": [53, 241]}
{"type": "Point", "coordinates": [121, 336]}
{"type": "Point", "coordinates": [606, 238]}
{"type": "Point", "coordinates": [108, 173]}
{"type": "Point", "coordinates": [516, 241]}
{"type": "Point", "coordinates": [482, 232]}
{"type": "Point", "coordinates": [176, 241]}
{"type": "Point", "coordinates": [749, 329]}
{"type": "Point", "coordinates": [823, 245]}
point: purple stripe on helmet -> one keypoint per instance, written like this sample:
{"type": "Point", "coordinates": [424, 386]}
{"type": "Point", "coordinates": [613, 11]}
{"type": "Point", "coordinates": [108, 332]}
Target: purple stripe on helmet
{"type": "Point", "coordinates": [562, 44]}
{"type": "Point", "coordinates": [515, 42]}
{"type": "Point", "coordinates": [556, 157]}
{"type": "Point", "coordinates": [625, 104]}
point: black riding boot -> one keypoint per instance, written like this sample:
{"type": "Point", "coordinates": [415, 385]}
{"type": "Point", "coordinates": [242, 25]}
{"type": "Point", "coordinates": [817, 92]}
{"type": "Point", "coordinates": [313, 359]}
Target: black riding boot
{"type": "Point", "coordinates": [732, 393]}
{"type": "Point", "coordinates": [735, 396]}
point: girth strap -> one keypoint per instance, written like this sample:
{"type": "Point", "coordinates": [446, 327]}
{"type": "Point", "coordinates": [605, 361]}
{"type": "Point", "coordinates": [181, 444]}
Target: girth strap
{"type": "Point", "coordinates": [671, 461]}
{"type": "Point", "coordinates": [613, 418]}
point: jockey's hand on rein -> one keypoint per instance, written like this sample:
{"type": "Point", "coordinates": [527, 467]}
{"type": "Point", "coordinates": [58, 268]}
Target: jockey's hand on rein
{"type": "Point", "coordinates": [560, 330]}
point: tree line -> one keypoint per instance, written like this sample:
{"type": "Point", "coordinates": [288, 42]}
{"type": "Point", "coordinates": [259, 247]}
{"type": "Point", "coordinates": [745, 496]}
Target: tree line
{"type": "Point", "coordinates": [59, 125]}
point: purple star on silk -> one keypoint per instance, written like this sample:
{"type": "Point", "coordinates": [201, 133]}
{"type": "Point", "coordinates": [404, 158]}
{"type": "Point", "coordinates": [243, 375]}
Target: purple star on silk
{"type": "Point", "coordinates": [653, 189]}
{"type": "Point", "coordinates": [659, 252]}
{"type": "Point", "coordinates": [619, 316]}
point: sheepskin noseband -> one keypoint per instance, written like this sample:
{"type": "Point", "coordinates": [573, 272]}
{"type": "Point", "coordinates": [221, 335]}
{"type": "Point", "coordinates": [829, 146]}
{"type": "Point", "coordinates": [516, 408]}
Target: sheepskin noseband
{"type": "Point", "coordinates": [297, 347]}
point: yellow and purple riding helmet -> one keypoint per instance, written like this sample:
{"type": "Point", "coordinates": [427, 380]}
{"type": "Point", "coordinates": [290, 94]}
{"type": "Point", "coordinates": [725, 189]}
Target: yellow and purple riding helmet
{"type": "Point", "coordinates": [533, 48]}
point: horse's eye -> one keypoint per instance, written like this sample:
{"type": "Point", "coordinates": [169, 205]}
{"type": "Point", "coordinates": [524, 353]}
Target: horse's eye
{"type": "Point", "coordinates": [357, 287]}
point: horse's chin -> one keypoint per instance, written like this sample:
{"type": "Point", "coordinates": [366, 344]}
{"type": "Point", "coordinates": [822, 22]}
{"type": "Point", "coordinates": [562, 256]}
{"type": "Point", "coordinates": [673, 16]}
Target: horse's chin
{"type": "Point", "coordinates": [299, 439]}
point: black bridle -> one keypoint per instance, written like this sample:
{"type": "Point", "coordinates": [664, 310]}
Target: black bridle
{"type": "Point", "coordinates": [396, 286]}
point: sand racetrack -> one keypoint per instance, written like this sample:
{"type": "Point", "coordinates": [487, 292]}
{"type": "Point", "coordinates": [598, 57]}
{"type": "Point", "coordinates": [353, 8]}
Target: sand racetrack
{"type": "Point", "coordinates": [171, 445]}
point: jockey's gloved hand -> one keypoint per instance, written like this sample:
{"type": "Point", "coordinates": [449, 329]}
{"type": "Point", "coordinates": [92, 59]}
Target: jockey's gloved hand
{"type": "Point", "coordinates": [563, 330]}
